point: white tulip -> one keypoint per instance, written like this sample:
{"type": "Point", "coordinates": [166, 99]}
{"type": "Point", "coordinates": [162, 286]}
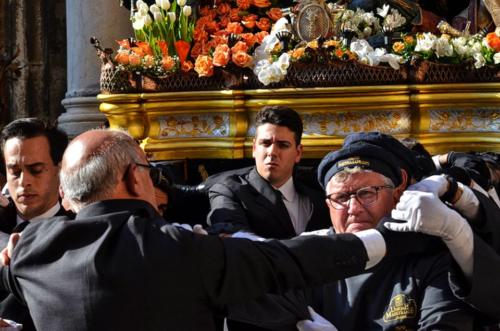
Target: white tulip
{"type": "Point", "coordinates": [158, 17]}
{"type": "Point", "coordinates": [186, 10]}
{"type": "Point", "coordinates": [147, 20]}
{"type": "Point", "coordinates": [181, 2]}
{"type": "Point", "coordinates": [138, 23]}
{"type": "Point", "coordinates": [143, 11]}
{"type": "Point", "coordinates": [165, 4]}
{"type": "Point", "coordinates": [154, 9]}
{"type": "Point", "coordinates": [171, 17]}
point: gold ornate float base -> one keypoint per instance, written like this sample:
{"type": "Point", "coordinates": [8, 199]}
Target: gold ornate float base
{"type": "Point", "coordinates": [220, 124]}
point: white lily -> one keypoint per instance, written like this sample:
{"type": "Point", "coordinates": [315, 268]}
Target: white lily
{"type": "Point", "coordinates": [479, 60]}
{"type": "Point", "coordinates": [186, 10]}
{"type": "Point", "coordinates": [443, 48]}
{"type": "Point", "coordinates": [382, 12]}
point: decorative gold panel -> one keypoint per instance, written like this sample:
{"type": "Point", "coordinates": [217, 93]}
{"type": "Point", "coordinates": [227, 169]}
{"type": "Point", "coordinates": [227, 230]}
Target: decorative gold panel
{"type": "Point", "coordinates": [220, 124]}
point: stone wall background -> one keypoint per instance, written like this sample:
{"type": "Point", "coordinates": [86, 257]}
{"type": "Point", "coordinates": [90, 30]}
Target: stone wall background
{"type": "Point", "coordinates": [38, 29]}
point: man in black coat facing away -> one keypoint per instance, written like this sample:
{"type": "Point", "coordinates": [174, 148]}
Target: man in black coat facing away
{"type": "Point", "coordinates": [120, 266]}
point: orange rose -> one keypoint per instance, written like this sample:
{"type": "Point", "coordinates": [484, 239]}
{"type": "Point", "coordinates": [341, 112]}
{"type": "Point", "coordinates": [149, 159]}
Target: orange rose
{"type": "Point", "coordinates": [239, 46]}
{"type": "Point", "coordinates": [249, 21]}
{"type": "Point", "coordinates": [297, 53]}
{"type": "Point", "coordinates": [274, 14]}
{"type": "Point", "coordinates": [148, 60]}
{"type": "Point", "coordinates": [220, 38]}
{"type": "Point", "coordinates": [224, 21]}
{"type": "Point", "coordinates": [261, 35]}
{"type": "Point", "coordinates": [196, 50]}
{"type": "Point", "coordinates": [134, 59]}
{"type": "Point", "coordinates": [204, 66]}
{"type": "Point", "coordinates": [187, 66]}
{"type": "Point", "coordinates": [122, 57]}
{"type": "Point", "coordinates": [145, 47]}
{"type": "Point", "coordinates": [242, 59]}
{"type": "Point", "coordinates": [223, 8]}
{"type": "Point", "coordinates": [167, 63]}
{"type": "Point", "coordinates": [409, 39]}
{"type": "Point", "coordinates": [200, 34]}
{"type": "Point", "coordinates": [124, 43]}
{"type": "Point", "coordinates": [264, 24]}
{"type": "Point", "coordinates": [234, 27]}
{"type": "Point", "coordinates": [234, 15]}
{"type": "Point", "coordinates": [243, 4]}
{"type": "Point", "coordinates": [339, 53]}
{"type": "Point", "coordinates": [208, 11]}
{"type": "Point", "coordinates": [261, 3]}
{"type": "Point", "coordinates": [221, 55]}
{"type": "Point", "coordinates": [249, 39]}
{"type": "Point", "coordinates": [398, 47]}
{"type": "Point", "coordinates": [493, 41]}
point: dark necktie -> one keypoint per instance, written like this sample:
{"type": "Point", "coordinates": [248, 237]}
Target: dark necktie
{"type": "Point", "coordinates": [20, 227]}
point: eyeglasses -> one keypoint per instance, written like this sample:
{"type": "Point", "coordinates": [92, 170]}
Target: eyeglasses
{"type": "Point", "coordinates": [365, 196]}
{"type": "Point", "coordinates": [156, 175]}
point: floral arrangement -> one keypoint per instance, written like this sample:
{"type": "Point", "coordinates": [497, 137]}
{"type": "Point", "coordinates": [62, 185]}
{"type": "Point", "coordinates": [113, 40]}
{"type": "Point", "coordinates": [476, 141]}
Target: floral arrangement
{"type": "Point", "coordinates": [253, 35]}
{"type": "Point", "coordinates": [453, 50]}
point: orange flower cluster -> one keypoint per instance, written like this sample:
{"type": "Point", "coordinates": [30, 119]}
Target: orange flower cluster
{"type": "Point", "coordinates": [139, 54]}
{"type": "Point", "coordinates": [249, 21]}
{"type": "Point", "coordinates": [493, 41]}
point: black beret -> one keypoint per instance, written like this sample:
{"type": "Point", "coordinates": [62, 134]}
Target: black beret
{"type": "Point", "coordinates": [405, 158]}
{"type": "Point", "coordinates": [359, 154]}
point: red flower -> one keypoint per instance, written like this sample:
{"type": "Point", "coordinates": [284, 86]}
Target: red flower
{"type": "Point", "coordinates": [274, 14]}
{"type": "Point", "coordinates": [243, 4]}
{"type": "Point", "coordinates": [234, 27]}
{"type": "Point", "coordinates": [264, 24]}
{"type": "Point", "coordinates": [204, 66]}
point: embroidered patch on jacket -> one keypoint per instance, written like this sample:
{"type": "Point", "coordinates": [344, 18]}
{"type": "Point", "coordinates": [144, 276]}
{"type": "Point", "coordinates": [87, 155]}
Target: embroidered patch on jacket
{"type": "Point", "coordinates": [401, 307]}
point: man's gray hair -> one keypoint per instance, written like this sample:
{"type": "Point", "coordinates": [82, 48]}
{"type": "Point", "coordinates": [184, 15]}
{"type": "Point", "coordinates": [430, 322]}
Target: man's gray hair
{"type": "Point", "coordinates": [94, 177]}
{"type": "Point", "coordinates": [345, 173]}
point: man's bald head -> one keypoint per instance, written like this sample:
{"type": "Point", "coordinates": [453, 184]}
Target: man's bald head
{"type": "Point", "coordinates": [94, 166]}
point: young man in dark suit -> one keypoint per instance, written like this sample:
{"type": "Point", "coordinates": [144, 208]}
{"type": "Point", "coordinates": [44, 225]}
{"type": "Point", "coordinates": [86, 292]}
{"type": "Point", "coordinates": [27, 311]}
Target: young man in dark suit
{"type": "Point", "coordinates": [32, 151]}
{"type": "Point", "coordinates": [268, 199]}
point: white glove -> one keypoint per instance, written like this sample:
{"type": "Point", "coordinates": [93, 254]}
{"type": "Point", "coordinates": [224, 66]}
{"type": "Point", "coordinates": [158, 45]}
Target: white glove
{"type": "Point", "coordinates": [423, 212]}
{"type": "Point", "coordinates": [317, 323]}
{"type": "Point", "coordinates": [8, 325]}
{"type": "Point", "coordinates": [437, 184]}
{"type": "Point", "coordinates": [247, 235]}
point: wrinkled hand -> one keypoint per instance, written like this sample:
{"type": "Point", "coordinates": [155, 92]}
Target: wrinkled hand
{"type": "Point", "coordinates": [316, 323]}
{"type": "Point", "coordinates": [198, 229]}
{"type": "Point", "coordinates": [6, 253]}
{"type": "Point", "coordinates": [8, 325]}
{"type": "Point", "coordinates": [4, 201]}
{"type": "Point", "coordinates": [437, 184]}
{"type": "Point", "coordinates": [423, 212]}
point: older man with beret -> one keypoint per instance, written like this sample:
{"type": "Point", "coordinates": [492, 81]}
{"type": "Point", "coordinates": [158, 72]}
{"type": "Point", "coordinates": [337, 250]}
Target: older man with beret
{"type": "Point", "coordinates": [363, 184]}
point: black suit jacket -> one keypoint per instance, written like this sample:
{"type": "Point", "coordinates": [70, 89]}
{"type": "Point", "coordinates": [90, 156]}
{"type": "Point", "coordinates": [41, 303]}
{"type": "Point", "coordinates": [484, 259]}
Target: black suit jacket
{"type": "Point", "coordinates": [247, 201]}
{"type": "Point", "coordinates": [10, 307]}
{"type": "Point", "coordinates": [120, 266]}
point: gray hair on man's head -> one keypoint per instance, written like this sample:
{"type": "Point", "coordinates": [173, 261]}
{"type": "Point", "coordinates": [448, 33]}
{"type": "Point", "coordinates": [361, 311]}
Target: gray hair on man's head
{"type": "Point", "coordinates": [95, 176]}
{"type": "Point", "coordinates": [345, 173]}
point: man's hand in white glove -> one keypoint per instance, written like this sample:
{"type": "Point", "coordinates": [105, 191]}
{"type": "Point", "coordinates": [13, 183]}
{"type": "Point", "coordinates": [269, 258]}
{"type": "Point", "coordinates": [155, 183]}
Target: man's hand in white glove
{"type": "Point", "coordinates": [437, 184]}
{"type": "Point", "coordinates": [316, 323]}
{"type": "Point", "coordinates": [423, 212]}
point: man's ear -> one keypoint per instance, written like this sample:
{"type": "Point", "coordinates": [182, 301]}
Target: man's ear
{"type": "Point", "coordinates": [398, 190]}
{"type": "Point", "coordinates": [131, 180]}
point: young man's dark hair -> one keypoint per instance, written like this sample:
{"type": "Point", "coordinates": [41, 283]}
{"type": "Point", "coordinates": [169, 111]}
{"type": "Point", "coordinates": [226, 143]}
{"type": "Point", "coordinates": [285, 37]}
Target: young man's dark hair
{"type": "Point", "coordinates": [282, 116]}
{"type": "Point", "coordinates": [25, 128]}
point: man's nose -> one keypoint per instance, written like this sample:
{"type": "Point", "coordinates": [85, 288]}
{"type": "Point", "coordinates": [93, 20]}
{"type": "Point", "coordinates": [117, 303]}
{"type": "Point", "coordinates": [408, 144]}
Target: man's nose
{"type": "Point", "coordinates": [272, 149]}
{"type": "Point", "coordinates": [25, 178]}
{"type": "Point", "coordinates": [353, 204]}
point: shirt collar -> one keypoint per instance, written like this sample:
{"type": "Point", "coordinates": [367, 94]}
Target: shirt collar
{"type": "Point", "coordinates": [288, 190]}
{"type": "Point", "coordinates": [49, 213]}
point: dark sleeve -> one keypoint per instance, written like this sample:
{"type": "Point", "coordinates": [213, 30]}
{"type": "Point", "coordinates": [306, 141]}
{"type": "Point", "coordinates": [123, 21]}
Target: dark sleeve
{"type": "Point", "coordinates": [227, 214]}
{"type": "Point", "coordinates": [484, 292]}
{"type": "Point", "coordinates": [440, 309]}
{"type": "Point", "coordinates": [486, 224]}
{"type": "Point", "coordinates": [237, 270]}
{"type": "Point", "coordinates": [274, 312]}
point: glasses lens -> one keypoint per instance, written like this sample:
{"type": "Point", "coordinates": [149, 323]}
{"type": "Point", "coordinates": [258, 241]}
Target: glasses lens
{"type": "Point", "coordinates": [367, 195]}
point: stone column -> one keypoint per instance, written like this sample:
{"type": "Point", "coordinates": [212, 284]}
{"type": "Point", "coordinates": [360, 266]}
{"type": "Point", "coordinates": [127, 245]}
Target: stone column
{"type": "Point", "coordinates": [107, 21]}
